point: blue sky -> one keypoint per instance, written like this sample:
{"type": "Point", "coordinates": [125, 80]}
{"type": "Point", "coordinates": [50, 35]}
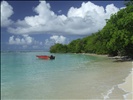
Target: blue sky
{"type": "Point", "coordinates": [36, 25]}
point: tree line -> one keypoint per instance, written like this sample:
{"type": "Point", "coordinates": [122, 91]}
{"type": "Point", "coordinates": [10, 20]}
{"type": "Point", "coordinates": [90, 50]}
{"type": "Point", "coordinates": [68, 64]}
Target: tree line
{"type": "Point", "coordinates": [116, 38]}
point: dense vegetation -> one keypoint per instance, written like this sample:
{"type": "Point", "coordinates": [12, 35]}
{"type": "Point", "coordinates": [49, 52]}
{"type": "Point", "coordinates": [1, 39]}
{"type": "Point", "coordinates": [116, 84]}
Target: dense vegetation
{"type": "Point", "coordinates": [116, 38]}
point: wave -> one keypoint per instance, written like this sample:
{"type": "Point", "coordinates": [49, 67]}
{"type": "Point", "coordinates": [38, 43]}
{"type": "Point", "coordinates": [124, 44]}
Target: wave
{"type": "Point", "coordinates": [108, 93]}
{"type": "Point", "coordinates": [126, 83]}
{"type": "Point", "coordinates": [126, 91]}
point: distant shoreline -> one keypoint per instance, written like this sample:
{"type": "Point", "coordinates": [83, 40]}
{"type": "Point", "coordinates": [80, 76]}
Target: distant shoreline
{"type": "Point", "coordinates": [116, 58]}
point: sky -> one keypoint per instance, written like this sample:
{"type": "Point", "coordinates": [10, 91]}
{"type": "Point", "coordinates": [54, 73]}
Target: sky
{"type": "Point", "coordinates": [37, 25]}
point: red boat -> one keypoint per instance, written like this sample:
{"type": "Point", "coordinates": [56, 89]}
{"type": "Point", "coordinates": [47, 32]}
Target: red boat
{"type": "Point", "coordinates": [46, 57]}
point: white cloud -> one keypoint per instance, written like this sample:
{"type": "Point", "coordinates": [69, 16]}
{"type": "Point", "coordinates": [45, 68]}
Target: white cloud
{"type": "Point", "coordinates": [86, 9]}
{"type": "Point", "coordinates": [24, 40]}
{"type": "Point", "coordinates": [122, 7]}
{"type": "Point", "coordinates": [87, 19]}
{"type": "Point", "coordinates": [110, 9]}
{"type": "Point", "coordinates": [48, 42]}
{"type": "Point", "coordinates": [55, 39]}
{"type": "Point", "coordinates": [43, 17]}
{"type": "Point", "coordinates": [58, 39]}
{"type": "Point", "coordinates": [6, 12]}
{"type": "Point", "coordinates": [59, 11]}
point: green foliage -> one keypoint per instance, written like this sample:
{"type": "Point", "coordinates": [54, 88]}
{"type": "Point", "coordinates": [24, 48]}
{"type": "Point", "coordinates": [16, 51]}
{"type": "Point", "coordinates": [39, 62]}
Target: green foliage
{"type": "Point", "coordinates": [122, 33]}
{"type": "Point", "coordinates": [129, 2]}
{"type": "Point", "coordinates": [116, 38]}
{"type": "Point", "coordinates": [58, 48]}
{"type": "Point", "coordinates": [74, 46]}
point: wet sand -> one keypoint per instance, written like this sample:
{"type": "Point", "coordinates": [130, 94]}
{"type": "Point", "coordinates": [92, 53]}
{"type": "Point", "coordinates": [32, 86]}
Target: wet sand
{"type": "Point", "coordinates": [124, 90]}
{"type": "Point", "coordinates": [127, 86]}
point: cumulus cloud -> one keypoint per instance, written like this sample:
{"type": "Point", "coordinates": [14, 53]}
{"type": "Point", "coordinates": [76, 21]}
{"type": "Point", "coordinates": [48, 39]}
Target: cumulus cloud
{"type": "Point", "coordinates": [6, 12]}
{"type": "Point", "coordinates": [55, 39]}
{"type": "Point", "coordinates": [58, 39]}
{"type": "Point", "coordinates": [90, 18]}
{"type": "Point", "coordinates": [110, 9]}
{"type": "Point", "coordinates": [24, 40]}
{"type": "Point", "coordinates": [21, 41]}
{"type": "Point", "coordinates": [44, 15]}
{"type": "Point", "coordinates": [85, 10]}
{"type": "Point", "coordinates": [87, 19]}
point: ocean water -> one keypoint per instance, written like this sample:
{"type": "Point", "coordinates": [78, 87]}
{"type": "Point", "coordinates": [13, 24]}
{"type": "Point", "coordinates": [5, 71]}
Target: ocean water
{"type": "Point", "coordinates": [69, 76]}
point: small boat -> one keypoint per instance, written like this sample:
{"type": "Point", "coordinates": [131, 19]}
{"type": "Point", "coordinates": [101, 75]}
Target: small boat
{"type": "Point", "coordinates": [45, 57]}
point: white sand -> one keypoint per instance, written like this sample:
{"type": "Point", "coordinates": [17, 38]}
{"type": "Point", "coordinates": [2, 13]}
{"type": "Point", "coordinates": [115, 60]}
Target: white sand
{"type": "Point", "coordinates": [127, 86]}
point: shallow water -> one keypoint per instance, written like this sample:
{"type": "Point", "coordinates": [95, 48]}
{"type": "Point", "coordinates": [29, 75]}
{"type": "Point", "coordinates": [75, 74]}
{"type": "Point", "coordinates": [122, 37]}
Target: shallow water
{"type": "Point", "coordinates": [69, 76]}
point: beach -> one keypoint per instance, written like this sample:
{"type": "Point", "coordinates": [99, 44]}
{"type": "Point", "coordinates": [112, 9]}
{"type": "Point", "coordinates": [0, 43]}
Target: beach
{"type": "Point", "coordinates": [127, 86]}
{"type": "Point", "coordinates": [122, 91]}
{"type": "Point", "coordinates": [69, 76]}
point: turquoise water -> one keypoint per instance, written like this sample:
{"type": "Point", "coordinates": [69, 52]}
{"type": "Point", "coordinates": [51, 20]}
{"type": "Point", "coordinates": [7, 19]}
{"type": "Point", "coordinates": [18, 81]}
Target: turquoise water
{"type": "Point", "coordinates": [69, 76]}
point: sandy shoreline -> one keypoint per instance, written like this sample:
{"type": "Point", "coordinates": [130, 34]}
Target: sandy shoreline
{"type": "Point", "coordinates": [127, 86]}
{"type": "Point", "coordinates": [118, 58]}
{"type": "Point", "coordinates": [93, 54]}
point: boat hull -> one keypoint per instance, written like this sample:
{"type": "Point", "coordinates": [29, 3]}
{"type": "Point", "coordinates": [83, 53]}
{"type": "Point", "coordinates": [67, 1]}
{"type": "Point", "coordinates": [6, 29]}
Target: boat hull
{"type": "Point", "coordinates": [45, 57]}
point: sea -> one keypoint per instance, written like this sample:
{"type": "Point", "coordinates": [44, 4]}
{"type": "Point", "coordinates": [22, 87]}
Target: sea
{"type": "Point", "coordinates": [69, 76]}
